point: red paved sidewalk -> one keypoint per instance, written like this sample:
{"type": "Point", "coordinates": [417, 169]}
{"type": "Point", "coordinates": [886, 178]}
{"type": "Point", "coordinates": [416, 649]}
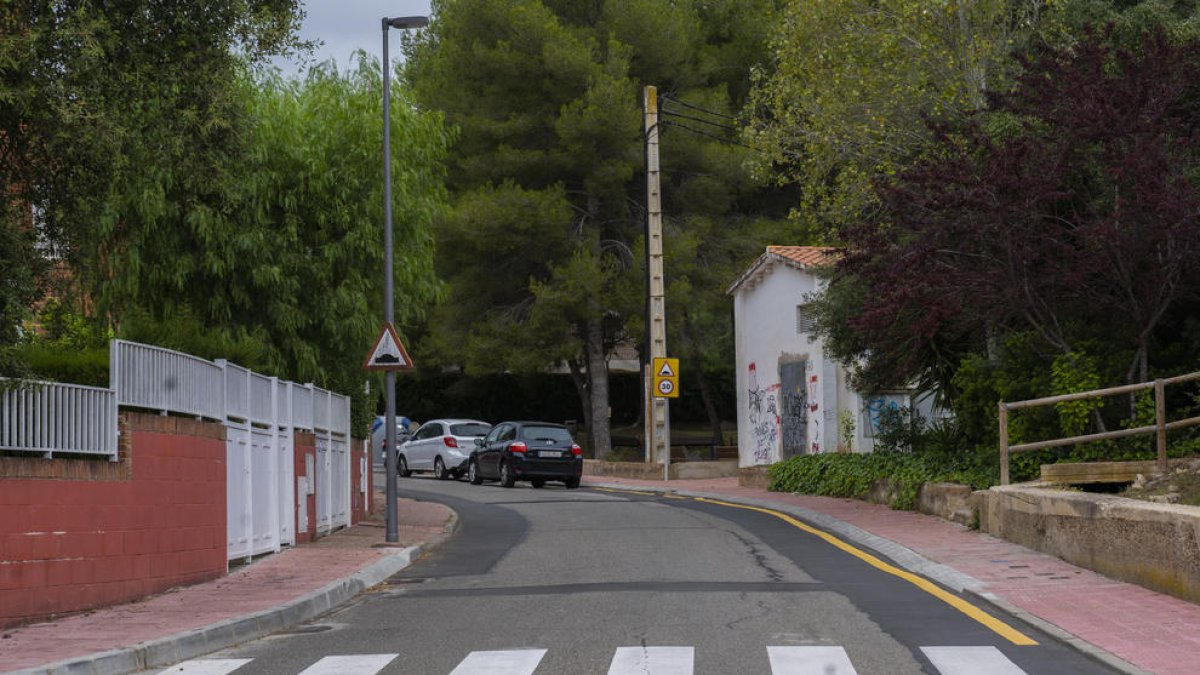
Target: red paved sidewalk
{"type": "Point", "coordinates": [269, 584]}
{"type": "Point", "coordinates": [1155, 632]}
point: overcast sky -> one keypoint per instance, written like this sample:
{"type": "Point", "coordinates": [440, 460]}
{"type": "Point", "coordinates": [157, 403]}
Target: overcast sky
{"type": "Point", "coordinates": [347, 25]}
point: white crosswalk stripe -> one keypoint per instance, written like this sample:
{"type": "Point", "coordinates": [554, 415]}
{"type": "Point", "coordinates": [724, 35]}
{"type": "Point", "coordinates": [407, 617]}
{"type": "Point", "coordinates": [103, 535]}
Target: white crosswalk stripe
{"type": "Point", "coordinates": [971, 661]}
{"type": "Point", "coordinates": [508, 662]}
{"type": "Point", "coordinates": [652, 661]}
{"type": "Point", "coordinates": [350, 664]}
{"type": "Point", "coordinates": [814, 660]}
{"type": "Point", "coordinates": [206, 667]}
{"type": "Point", "coordinates": [809, 660]}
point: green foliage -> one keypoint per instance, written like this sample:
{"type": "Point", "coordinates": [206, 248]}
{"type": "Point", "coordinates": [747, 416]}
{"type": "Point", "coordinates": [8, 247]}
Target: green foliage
{"type": "Point", "coordinates": [854, 475]}
{"type": "Point", "coordinates": [846, 428]}
{"type": "Point", "coordinates": [545, 96]}
{"type": "Point", "coordinates": [74, 365]}
{"type": "Point", "coordinates": [855, 83]}
{"type": "Point", "coordinates": [1072, 373]}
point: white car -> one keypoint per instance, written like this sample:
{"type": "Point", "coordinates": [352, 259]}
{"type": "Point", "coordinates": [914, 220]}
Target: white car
{"type": "Point", "coordinates": [441, 446]}
{"type": "Point", "coordinates": [403, 433]}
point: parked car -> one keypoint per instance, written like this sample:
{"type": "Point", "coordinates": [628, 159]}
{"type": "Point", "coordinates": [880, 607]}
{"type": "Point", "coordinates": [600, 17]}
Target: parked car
{"type": "Point", "coordinates": [532, 451]}
{"type": "Point", "coordinates": [442, 446]}
{"type": "Point", "coordinates": [404, 430]}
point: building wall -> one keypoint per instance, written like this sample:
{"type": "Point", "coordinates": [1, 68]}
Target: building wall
{"type": "Point", "coordinates": [766, 341]}
{"type": "Point", "coordinates": [79, 534]}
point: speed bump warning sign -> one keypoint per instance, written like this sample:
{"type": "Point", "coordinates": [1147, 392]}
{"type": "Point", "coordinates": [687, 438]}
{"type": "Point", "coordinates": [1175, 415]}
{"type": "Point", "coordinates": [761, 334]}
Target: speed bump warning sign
{"type": "Point", "coordinates": [666, 377]}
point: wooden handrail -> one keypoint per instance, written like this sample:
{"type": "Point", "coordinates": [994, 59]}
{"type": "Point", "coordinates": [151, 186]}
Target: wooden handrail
{"type": "Point", "coordinates": [1160, 426]}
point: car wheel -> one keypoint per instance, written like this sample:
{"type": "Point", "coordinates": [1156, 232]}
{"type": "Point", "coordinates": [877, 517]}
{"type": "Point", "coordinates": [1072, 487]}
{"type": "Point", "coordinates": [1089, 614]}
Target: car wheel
{"type": "Point", "coordinates": [473, 474]}
{"type": "Point", "coordinates": [571, 483]}
{"type": "Point", "coordinates": [538, 482]}
{"type": "Point", "coordinates": [402, 467]}
{"type": "Point", "coordinates": [507, 479]}
{"type": "Point", "coordinates": [439, 469]}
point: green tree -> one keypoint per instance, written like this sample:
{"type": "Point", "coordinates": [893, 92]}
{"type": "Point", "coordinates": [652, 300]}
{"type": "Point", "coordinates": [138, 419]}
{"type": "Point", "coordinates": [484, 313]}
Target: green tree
{"type": "Point", "coordinates": [853, 83]}
{"type": "Point", "coordinates": [542, 250]}
{"type": "Point", "coordinates": [120, 123]}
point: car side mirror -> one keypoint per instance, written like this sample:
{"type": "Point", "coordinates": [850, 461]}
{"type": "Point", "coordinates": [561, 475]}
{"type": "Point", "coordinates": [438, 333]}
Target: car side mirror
{"type": "Point", "coordinates": [479, 442]}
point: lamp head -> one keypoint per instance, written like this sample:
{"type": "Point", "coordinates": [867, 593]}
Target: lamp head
{"type": "Point", "coordinates": [405, 22]}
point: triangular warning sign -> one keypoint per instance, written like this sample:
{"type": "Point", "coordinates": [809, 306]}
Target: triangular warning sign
{"type": "Point", "coordinates": [666, 370]}
{"type": "Point", "coordinates": [388, 352]}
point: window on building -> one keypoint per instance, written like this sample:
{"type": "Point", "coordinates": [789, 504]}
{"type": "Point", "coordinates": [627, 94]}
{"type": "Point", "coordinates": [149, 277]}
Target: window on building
{"type": "Point", "coordinates": [806, 323]}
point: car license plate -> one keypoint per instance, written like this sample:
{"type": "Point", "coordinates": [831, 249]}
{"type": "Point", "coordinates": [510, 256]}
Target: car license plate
{"type": "Point", "coordinates": [551, 453]}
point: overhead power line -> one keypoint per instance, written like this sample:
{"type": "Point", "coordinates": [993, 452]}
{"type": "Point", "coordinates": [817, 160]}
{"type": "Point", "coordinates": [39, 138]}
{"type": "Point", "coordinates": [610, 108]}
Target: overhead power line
{"type": "Point", "coordinates": [667, 99]}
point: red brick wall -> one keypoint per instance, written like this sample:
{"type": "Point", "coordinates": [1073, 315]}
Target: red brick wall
{"type": "Point", "coordinates": [306, 458]}
{"type": "Point", "coordinates": [80, 534]}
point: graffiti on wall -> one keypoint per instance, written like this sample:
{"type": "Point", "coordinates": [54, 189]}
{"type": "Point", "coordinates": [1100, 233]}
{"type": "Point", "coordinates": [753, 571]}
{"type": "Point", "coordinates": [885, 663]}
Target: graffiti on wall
{"type": "Point", "coordinates": [814, 406]}
{"type": "Point", "coordinates": [874, 407]}
{"type": "Point", "coordinates": [764, 418]}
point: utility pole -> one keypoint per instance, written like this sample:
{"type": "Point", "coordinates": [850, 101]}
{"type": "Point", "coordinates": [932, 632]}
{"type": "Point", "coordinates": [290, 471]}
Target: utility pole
{"type": "Point", "coordinates": [658, 432]}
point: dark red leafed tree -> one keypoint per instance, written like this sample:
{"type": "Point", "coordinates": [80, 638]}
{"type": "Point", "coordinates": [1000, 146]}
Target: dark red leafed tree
{"type": "Point", "coordinates": [1082, 211]}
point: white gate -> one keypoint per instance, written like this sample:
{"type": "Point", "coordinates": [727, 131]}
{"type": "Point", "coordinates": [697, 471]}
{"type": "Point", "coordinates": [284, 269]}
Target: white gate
{"type": "Point", "coordinates": [261, 415]}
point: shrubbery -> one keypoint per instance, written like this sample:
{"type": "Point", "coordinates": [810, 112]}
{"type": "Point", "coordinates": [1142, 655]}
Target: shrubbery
{"type": "Point", "coordinates": [912, 454]}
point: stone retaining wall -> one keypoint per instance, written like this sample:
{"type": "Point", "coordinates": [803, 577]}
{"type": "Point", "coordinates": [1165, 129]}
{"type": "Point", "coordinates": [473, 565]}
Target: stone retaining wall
{"type": "Point", "coordinates": [1153, 545]}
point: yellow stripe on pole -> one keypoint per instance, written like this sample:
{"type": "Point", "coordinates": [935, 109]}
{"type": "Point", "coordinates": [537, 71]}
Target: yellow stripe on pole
{"type": "Point", "coordinates": [1003, 629]}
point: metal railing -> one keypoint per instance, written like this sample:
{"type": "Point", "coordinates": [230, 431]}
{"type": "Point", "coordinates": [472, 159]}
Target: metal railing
{"type": "Point", "coordinates": [165, 380]}
{"type": "Point", "coordinates": [1160, 427]}
{"type": "Point", "coordinates": [50, 417]}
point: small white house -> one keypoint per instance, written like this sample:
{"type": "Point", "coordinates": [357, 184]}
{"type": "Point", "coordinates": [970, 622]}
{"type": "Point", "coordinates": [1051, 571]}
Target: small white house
{"type": "Point", "coordinates": [792, 398]}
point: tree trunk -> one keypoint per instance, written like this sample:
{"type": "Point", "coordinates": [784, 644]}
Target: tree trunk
{"type": "Point", "coordinates": [693, 350]}
{"type": "Point", "coordinates": [599, 433]}
{"type": "Point", "coordinates": [581, 388]}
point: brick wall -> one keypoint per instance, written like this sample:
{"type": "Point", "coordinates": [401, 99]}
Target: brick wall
{"type": "Point", "coordinates": [80, 534]}
{"type": "Point", "coordinates": [360, 501]}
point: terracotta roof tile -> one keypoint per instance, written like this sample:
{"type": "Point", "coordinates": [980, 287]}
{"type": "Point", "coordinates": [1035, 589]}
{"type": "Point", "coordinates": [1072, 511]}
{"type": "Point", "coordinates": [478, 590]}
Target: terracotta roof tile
{"type": "Point", "coordinates": [815, 256]}
{"type": "Point", "coordinates": [799, 257]}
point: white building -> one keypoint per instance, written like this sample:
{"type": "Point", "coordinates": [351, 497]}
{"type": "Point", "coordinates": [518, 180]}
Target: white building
{"type": "Point", "coordinates": [792, 398]}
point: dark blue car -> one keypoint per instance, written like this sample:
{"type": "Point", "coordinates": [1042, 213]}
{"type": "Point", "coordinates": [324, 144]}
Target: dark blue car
{"type": "Point", "coordinates": [532, 451]}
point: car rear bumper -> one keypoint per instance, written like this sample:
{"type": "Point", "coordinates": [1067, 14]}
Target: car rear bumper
{"type": "Point", "coordinates": [550, 469]}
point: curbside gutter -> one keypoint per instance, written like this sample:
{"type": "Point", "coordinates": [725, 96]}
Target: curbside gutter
{"type": "Point", "coordinates": [911, 561]}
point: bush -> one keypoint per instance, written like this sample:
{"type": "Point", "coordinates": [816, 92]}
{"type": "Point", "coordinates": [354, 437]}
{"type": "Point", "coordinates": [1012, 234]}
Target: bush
{"type": "Point", "coordinates": [74, 366]}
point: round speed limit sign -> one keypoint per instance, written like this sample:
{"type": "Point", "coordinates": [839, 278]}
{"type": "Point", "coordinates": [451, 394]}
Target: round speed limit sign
{"type": "Point", "coordinates": [665, 387]}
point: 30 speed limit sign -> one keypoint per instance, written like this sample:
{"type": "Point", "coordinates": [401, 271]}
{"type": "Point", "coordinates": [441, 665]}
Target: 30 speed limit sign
{"type": "Point", "coordinates": [666, 377]}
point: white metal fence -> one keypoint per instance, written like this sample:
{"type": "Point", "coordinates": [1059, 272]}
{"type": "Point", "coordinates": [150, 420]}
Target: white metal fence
{"type": "Point", "coordinates": [261, 415]}
{"type": "Point", "coordinates": [49, 417]}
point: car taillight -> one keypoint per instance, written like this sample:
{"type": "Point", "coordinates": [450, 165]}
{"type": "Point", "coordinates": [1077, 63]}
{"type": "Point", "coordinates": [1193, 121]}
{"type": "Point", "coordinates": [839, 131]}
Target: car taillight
{"type": "Point", "coordinates": [450, 442]}
{"type": "Point", "coordinates": [576, 450]}
{"type": "Point", "coordinates": [518, 447]}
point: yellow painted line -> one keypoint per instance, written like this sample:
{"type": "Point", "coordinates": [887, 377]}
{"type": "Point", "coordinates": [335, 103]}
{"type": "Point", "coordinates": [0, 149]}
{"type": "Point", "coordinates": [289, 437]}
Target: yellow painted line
{"type": "Point", "coordinates": [1003, 629]}
{"type": "Point", "coordinates": [664, 495]}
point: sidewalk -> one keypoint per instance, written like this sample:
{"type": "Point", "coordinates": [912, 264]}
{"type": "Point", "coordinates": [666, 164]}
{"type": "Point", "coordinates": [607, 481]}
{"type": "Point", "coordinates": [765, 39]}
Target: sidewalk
{"type": "Point", "coordinates": [1134, 629]}
{"type": "Point", "coordinates": [278, 591]}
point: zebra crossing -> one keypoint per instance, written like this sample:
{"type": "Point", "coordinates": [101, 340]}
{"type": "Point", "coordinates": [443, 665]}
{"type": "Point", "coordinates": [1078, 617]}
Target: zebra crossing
{"type": "Point", "coordinates": [808, 660]}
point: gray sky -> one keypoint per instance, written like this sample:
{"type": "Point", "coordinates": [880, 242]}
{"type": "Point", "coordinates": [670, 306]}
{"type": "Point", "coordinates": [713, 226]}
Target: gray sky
{"type": "Point", "coordinates": [347, 25]}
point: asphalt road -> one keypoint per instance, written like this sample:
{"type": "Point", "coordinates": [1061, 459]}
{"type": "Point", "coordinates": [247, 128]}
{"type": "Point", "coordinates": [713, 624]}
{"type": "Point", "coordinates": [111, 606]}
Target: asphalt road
{"type": "Point", "coordinates": [557, 581]}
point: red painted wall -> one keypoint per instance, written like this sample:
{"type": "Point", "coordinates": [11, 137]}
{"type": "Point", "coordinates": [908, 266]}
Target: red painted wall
{"type": "Point", "coordinates": [305, 446]}
{"type": "Point", "coordinates": [80, 534]}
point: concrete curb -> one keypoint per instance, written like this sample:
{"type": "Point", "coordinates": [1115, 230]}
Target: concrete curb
{"type": "Point", "coordinates": [913, 562]}
{"type": "Point", "coordinates": [189, 644]}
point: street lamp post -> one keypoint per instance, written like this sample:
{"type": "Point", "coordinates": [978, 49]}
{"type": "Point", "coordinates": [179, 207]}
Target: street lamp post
{"type": "Point", "coordinates": [389, 421]}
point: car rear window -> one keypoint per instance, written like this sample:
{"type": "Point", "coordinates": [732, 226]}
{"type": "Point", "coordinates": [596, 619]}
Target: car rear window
{"type": "Point", "coordinates": [470, 429]}
{"type": "Point", "coordinates": [556, 434]}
